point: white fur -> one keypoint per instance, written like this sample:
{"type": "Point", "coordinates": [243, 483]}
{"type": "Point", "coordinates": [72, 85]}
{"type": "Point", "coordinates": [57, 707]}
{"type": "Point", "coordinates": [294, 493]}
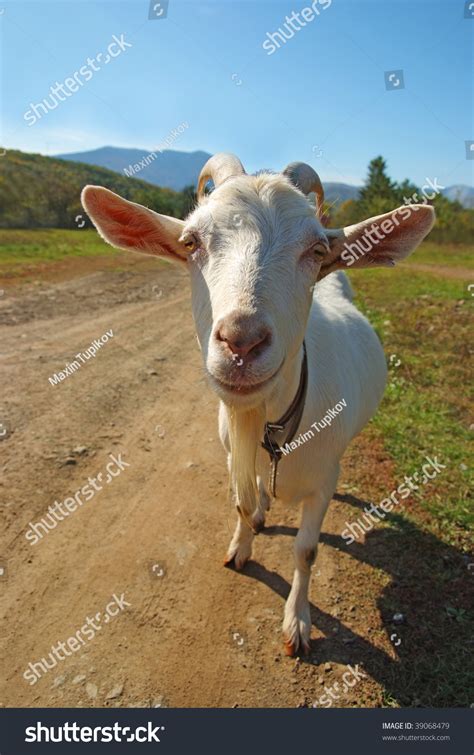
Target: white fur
{"type": "Point", "coordinates": [258, 255]}
{"type": "Point", "coordinates": [345, 361]}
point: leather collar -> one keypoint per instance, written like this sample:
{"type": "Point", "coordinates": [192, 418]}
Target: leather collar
{"type": "Point", "coordinates": [289, 422]}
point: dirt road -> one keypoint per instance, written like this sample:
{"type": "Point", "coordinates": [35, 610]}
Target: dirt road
{"type": "Point", "coordinates": [194, 633]}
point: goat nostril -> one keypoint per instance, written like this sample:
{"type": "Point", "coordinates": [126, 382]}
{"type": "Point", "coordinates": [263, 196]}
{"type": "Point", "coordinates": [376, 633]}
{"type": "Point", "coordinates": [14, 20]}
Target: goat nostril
{"type": "Point", "coordinates": [260, 343]}
{"type": "Point", "coordinates": [244, 345]}
{"type": "Point", "coordinates": [224, 336]}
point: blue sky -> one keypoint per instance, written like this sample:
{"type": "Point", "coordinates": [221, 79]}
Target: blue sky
{"type": "Point", "coordinates": [320, 97]}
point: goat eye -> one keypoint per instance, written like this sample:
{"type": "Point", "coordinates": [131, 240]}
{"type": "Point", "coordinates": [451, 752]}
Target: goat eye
{"type": "Point", "coordinates": [320, 249]}
{"type": "Point", "coordinates": [190, 242]}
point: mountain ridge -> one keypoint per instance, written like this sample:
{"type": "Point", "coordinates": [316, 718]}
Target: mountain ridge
{"type": "Point", "coordinates": [176, 169]}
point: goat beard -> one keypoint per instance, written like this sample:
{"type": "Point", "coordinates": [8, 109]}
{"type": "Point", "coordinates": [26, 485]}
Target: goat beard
{"type": "Point", "coordinates": [245, 434]}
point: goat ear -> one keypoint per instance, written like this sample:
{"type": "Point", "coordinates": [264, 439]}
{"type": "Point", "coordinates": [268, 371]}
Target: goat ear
{"type": "Point", "coordinates": [381, 241]}
{"type": "Point", "coordinates": [131, 226]}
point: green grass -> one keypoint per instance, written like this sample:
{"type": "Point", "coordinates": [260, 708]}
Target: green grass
{"type": "Point", "coordinates": [452, 255]}
{"type": "Point", "coordinates": [20, 248]}
{"type": "Point", "coordinates": [425, 321]}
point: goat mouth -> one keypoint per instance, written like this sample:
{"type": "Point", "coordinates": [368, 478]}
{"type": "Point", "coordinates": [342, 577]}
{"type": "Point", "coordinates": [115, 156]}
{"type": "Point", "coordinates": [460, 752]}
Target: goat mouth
{"type": "Point", "coordinates": [242, 388]}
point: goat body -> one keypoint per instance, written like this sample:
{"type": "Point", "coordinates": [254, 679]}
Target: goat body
{"type": "Point", "coordinates": [267, 282]}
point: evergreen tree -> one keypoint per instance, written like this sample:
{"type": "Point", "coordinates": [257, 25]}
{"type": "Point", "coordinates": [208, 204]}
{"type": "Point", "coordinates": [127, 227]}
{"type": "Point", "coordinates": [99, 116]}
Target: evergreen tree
{"type": "Point", "coordinates": [408, 190]}
{"type": "Point", "coordinates": [379, 193]}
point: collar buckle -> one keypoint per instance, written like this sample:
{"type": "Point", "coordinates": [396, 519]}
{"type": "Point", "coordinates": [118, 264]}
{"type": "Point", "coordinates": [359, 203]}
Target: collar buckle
{"type": "Point", "coordinates": [269, 443]}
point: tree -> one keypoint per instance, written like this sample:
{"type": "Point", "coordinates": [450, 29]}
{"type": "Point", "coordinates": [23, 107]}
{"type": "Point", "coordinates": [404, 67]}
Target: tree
{"type": "Point", "coordinates": [188, 200]}
{"type": "Point", "coordinates": [347, 213]}
{"type": "Point", "coordinates": [408, 190]}
{"type": "Point", "coordinates": [379, 193]}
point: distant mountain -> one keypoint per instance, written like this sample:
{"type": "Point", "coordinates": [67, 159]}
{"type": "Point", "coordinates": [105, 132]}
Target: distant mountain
{"type": "Point", "coordinates": [463, 194]}
{"type": "Point", "coordinates": [335, 193]}
{"type": "Point", "coordinates": [169, 168]}
{"type": "Point", "coordinates": [175, 170]}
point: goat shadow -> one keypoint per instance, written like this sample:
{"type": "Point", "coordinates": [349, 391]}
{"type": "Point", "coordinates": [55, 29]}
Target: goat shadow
{"type": "Point", "coordinates": [431, 586]}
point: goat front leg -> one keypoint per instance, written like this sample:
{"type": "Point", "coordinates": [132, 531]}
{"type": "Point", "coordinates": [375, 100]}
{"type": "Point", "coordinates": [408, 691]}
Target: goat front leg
{"type": "Point", "coordinates": [240, 548]}
{"type": "Point", "coordinates": [251, 521]}
{"type": "Point", "coordinates": [263, 505]}
{"type": "Point", "coordinates": [297, 621]}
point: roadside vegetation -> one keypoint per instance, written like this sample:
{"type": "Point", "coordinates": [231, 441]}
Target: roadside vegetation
{"type": "Point", "coordinates": [44, 192]}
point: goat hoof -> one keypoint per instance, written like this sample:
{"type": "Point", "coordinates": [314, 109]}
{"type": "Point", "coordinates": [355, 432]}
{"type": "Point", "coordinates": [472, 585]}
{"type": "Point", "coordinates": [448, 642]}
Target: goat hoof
{"type": "Point", "coordinates": [238, 554]}
{"type": "Point", "coordinates": [297, 630]}
{"type": "Point", "coordinates": [290, 649]}
{"type": "Point", "coordinates": [296, 648]}
{"type": "Point", "coordinates": [233, 562]}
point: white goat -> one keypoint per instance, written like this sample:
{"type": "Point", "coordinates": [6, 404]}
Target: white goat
{"type": "Point", "coordinates": [255, 250]}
